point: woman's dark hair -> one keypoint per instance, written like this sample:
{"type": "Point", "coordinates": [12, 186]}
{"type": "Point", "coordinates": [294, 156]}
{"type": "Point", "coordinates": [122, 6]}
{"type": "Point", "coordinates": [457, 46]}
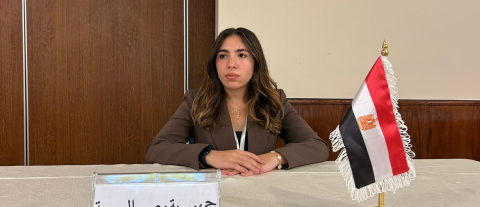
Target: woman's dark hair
{"type": "Point", "coordinates": [264, 105]}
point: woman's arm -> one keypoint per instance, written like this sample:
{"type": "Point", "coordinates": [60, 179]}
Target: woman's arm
{"type": "Point", "coordinates": [169, 146]}
{"type": "Point", "coordinates": [303, 145]}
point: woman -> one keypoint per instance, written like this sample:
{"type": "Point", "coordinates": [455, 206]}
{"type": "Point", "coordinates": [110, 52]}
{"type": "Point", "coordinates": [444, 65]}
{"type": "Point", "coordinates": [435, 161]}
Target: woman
{"type": "Point", "coordinates": [236, 116]}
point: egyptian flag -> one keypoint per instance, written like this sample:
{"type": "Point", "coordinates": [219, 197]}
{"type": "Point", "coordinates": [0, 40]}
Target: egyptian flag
{"type": "Point", "coordinates": [370, 135]}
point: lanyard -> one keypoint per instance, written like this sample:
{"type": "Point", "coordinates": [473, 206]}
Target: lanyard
{"type": "Point", "coordinates": [242, 139]}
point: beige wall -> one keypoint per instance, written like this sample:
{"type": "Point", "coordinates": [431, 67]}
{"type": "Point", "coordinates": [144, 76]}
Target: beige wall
{"type": "Point", "coordinates": [324, 49]}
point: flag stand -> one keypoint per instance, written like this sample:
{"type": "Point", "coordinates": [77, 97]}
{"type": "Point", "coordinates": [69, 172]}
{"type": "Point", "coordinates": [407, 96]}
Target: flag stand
{"type": "Point", "coordinates": [380, 200]}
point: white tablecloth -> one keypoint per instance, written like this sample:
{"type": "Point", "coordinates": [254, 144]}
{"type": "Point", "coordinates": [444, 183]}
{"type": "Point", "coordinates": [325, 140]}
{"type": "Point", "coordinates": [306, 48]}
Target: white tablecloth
{"type": "Point", "coordinates": [454, 182]}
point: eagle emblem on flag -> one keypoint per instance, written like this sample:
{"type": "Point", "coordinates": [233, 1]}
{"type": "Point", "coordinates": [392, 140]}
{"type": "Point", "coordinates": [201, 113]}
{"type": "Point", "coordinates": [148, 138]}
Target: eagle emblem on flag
{"type": "Point", "coordinates": [366, 122]}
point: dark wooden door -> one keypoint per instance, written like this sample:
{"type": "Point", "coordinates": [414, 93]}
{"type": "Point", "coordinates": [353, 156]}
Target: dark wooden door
{"type": "Point", "coordinates": [201, 37]}
{"type": "Point", "coordinates": [104, 77]}
{"type": "Point", "coordinates": [11, 83]}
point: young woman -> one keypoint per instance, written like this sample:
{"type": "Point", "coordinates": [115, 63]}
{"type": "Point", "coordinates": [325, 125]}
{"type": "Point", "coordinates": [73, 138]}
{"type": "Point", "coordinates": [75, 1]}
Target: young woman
{"type": "Point", "coordinates": [236, 116]}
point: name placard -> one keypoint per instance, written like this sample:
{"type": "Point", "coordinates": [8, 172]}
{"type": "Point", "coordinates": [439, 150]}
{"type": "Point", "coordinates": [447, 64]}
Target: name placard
{"type": "Point", "coordinates": [186, 189]}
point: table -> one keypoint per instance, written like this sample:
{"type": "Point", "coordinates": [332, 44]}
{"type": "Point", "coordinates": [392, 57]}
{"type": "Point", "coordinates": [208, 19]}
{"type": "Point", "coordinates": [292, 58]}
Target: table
{"type": "Point", "coordinates": [439, 182]}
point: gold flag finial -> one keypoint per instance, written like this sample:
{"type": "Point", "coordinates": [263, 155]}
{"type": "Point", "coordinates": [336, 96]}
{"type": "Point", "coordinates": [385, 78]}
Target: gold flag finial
{"type": "Point", "coordinates": [385, 48]}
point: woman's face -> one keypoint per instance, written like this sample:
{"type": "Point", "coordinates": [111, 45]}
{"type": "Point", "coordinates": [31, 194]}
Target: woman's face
{"type": "Point", "coordinates": [234, 64]}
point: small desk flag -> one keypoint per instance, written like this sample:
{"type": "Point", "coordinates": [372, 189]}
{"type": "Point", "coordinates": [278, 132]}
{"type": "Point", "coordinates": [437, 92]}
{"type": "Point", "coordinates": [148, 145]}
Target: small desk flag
{"type": "Point", "coordinates": [375, 154]}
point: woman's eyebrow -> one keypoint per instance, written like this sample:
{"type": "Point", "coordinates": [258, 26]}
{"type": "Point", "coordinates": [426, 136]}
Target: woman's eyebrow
{"type": "Point", "coordinates": [242, 50]}
{"type": "Point", "coordinates": [239, 50]}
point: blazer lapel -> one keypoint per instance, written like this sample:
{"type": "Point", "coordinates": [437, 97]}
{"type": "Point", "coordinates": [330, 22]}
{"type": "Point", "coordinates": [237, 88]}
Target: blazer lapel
{"type": "Point", "coordinates": [223, 137]}
{"type": "Point", "coordinates": [257, 137]}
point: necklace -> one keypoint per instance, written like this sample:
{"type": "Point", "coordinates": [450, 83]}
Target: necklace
{"type": "Point", "coordinates": [235, 110]}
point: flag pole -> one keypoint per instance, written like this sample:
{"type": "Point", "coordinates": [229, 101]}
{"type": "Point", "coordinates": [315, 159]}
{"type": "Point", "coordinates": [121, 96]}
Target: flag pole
{"type": "Point", "coordinates": [380, 200]}
{"type": "Point", "coordinates": [381, 196]}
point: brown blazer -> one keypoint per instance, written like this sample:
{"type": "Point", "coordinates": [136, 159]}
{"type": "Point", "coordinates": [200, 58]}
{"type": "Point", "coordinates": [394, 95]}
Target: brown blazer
{"type": "Point", "coordinates": [303, 146]}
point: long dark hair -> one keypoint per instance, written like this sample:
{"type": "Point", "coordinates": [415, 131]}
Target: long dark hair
{"type": "Point", "coordinates": [264, 105]}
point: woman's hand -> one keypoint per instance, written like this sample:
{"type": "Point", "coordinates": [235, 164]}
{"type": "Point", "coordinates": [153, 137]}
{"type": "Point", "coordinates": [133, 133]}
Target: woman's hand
{"type": "Point", "coordinates": [238, 160]}
{"type": "Point", "coordinates": [271, 163]}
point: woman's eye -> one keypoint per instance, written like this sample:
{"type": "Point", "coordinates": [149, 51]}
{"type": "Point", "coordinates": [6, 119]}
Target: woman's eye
{"type": "Point", "coordinates": [242, 55]}
{"type": "Point", "coordinates": [222, 56]}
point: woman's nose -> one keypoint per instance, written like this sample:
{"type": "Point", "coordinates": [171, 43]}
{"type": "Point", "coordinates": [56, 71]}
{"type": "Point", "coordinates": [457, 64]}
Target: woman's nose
{"type": "Point", "coordinates": [232, 62]}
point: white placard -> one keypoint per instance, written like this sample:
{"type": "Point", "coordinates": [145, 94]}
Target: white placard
{"type": "Point", "coordinates": [199, 189]}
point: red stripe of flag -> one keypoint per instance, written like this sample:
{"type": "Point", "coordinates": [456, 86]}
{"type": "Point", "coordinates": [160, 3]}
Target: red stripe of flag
{"type": "Point", "coordinates": [377, 85]}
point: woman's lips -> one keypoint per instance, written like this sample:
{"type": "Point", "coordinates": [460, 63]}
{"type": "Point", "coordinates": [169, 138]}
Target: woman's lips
{"type": "Point", "coordinates": [231, 76]}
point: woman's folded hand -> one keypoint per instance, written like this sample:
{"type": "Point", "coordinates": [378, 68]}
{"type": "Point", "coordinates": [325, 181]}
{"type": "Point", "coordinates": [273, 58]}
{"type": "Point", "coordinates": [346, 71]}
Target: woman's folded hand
{"type": "Point", "coordinates": [238, 160]}
{"type": "Point", "coordinates": [270, 164]}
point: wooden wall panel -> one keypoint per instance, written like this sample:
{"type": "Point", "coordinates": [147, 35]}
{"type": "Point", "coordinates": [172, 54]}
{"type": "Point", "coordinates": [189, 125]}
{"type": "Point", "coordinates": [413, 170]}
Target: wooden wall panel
{"type": "Point", "coordinates": [11, 83]}
{"type": "Point", "coordinates": [105, 76]}
{"type": "Point", "coordinates": [455, 131]}
{"type": "Point", "coordinates": [417, 118]}
{"type": "Point", "coordinates": [201, 35]}
{"type": "Point", "coordinates": [438, 129]}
